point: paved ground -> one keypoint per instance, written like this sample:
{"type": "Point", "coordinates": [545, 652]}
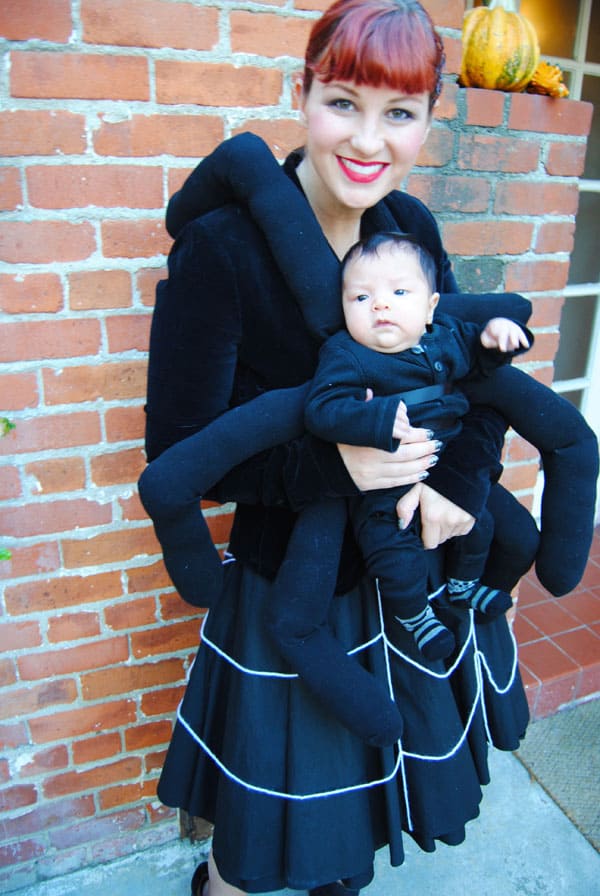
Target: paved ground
{"type": "Point", "coordinates": [521, 845]}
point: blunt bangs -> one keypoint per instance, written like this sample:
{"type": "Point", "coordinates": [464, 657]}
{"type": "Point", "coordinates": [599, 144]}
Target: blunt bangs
{"type": "Point", "coordinates": [378, 43]}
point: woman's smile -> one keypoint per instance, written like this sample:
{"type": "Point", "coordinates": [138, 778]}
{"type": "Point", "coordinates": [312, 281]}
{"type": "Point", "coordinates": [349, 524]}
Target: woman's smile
{"type": "Point", "coordinates": [361, 172]}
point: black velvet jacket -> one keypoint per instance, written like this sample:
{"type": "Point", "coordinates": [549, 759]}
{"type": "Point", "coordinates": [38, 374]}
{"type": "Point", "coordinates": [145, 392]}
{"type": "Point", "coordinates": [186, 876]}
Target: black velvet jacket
{"type": "Point", "coordinates": [251, 294]}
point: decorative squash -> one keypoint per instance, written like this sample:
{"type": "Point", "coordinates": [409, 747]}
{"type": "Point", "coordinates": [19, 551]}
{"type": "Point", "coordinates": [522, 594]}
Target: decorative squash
{"type": "Point", "coordinates": [548, 79]}
{"type": "Point", "coordinates": [500, 48]}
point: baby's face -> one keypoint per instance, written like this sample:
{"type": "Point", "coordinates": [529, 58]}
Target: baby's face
{"type": "Point", "coordinates": [386, 300]}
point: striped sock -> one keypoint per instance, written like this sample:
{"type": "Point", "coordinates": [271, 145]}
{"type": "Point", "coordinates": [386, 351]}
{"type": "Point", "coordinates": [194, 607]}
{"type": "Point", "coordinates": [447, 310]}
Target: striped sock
{"type": "Point", "coordinates": [433, 639]}
{"type": "Point", "coordinates": [490, 601]}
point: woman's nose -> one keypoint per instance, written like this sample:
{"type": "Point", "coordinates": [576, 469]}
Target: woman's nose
{"type": "Point", "coordinates": [367, 139]}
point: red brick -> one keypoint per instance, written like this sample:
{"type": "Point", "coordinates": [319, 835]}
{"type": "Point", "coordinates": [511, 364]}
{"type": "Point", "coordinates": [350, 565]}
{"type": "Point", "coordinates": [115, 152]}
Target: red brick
{"type": "Point", "coordinates": [52, 431]}
{"type": "Point", "coordinates": [39, 518]}
{"type": "Point", "coordinates": [173, 607]}
{"type": "Point", "coordinates": [61, 592]}
{"type": "Point", "coordinates": [45, 242]}
{"type": "Point", "coordinates": [124, 424]}
{"type": "Point", "coordinates": [42, 19]}
{"type": "Point", "coordinates": [131, 614]}
{"type": "Point", "coordinates": [33, 132]}
{"type": "Point", "coordinates": [149, 23]}
{"type": "Point", "coordinates": [282, 134]}
{"type": "Point", "coordinates": [94, 290]}
{"type": "Point", "coordinates": [99, 828]}
{"type": "Point", "coordinates": [45, 75]}
{"type": "Point", "coordinates": [437, 149]}
{"type": "Point", "coordinates": [33, 293]}
{"type": "Point", "coordinates": [120, 466]}
{"type": "Point", "coordinates": [126, 794]}
{"type": "Point", "coordinates": [11, 195]}
{"type": "Point", "coordinates": [13, 735]}
{"type": "Point", "coordinates": [267, 34]}
{"type": "Point", "coordinates": [100, 776]}
{"type": "Point", "coordinates": [30, 340]}
{"type": "Point", "coordinates": [484, 107]}
{"type": "Point", "coordinates": [21, 702]}
{"type": "Point", "coordinates": [547, 311]}
{"type": "Point", "coordinates": [566, 159]}
{"type": "Point", "coordinates": [10, 483]}
{"type": "Point", "coordinates": [540, 198]}
{"type": "Point", "coordinates": [155, 135]}
{"type": "Point", "coordinates": [487, 237]}
{"type": "Point", "coordinates": [536, 276]}
{"type": "Point", "coordinates": [220, 526]}
{"type": "Point", "coordinates": [18, 390]}
{"type": "Point", "coordinates": [62, 726]}
{"type": "Point", "coordinates": [36, 559]}
{"type": "Point", "coordinates": [101, 746]}
{"type": "Point", "coordinates": [519, 477]}
{"type": "Point", "coordinates": [19, 636]}
{"type": "Point", "coordinates": [549, 116]}
{"type": "Point", "coordinates": [130, 679]}
{"type": "Point", "coordinates": [16, 853]}
{"type": "Point", "coordinates": [8, 673]}
{"type": "Point", "coordinates": [66, 660]}
{"type": "Point", "coordinates": [57, 475]}
{"type": "Point", "coordinates": [166, 639]}
{"type": "Point", "coordinates": [44, 761]}
{"type": "Point", "coordinates": [453, 49]}
{"type": "Point", "coordinates": [146, 281]}
{"type": "Point", "coordinates": [106, 186]}
{"type": "Point", "coordinates": [110, 382]}
{"type": "Point", "coordinates": [216, 84]}
{"type": "Point", "coordinates": [480, 152]}
{"type": "Point", "coordinates": [555, 236]}
{"type": "Point", "coordinates": [17, 797]}
{"type": "Point", "coordinates": [544, 347]}
{"type": "Point", "coordinates": [148, 578]}
{"type": "Point", "coordinates": [445, 13]}
{"type": "Point", "coordinates": [448, 193]}
{"type": "Point", "coordinates": [134, 239]}
{"type": "Point", "coordinates": [128, 332]}
{"type": "Point", "coordinates": [151, 734]}
{"type": "Point", "coordinates": [110, 547]}
{"type": "Point", "coordinates": [446, 107]}
{"type": "Point", "coordinates": [157, 703]}
{"type": "Point", "coordinates": [73, 627]}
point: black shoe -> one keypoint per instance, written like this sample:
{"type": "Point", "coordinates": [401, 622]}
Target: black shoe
{"type": "Point", "coordinates": [199, 879]}
{"type": "Point", "coordinates": [336, 889]}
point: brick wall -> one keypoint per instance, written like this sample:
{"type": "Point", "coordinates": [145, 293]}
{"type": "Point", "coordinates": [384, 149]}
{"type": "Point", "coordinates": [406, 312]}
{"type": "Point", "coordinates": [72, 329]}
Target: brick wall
{"type": "Point", "coordinates": [105, 105]}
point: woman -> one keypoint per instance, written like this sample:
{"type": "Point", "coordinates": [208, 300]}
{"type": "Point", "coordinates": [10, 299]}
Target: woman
{"type": "Point", "coordinates": [296, 799]}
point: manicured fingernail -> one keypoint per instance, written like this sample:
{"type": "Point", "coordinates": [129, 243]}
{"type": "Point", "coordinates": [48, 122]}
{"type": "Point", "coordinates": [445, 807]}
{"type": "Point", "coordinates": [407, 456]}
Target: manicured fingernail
{"type": "Point", "coordinates": [430, 434]}
{"type": "Point", "coordinates": [401, 524]}
{"type": "Point", "coordinates": [439, 445]}
{"type": "Point", "coordinates": [433, 460]}
{"type": "Point", "coordinates": [424, 475]}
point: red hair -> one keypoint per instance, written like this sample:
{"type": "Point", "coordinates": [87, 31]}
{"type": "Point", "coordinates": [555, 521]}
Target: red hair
{"type": "Point", "coordinates": [376, 42]}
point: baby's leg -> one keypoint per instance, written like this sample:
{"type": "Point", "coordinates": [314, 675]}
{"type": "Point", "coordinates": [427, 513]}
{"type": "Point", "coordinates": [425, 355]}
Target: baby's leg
{"type": "Point", "coordinates": [396, 558]}
{"type": "Point", "coordinates": [172, 486]}
{"type": "Point", "coordinates": [298, 622]}
{"type": "Point", "coordinates": [465, 561]}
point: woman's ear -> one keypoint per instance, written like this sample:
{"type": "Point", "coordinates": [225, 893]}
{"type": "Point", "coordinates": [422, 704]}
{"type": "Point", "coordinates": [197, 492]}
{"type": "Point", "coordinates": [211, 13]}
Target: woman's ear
{"type": "Point", "coordinates": [298, 93]}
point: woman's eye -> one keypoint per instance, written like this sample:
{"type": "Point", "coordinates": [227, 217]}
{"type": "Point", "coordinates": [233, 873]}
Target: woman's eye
{"type": "Point", "coordinates": [400, 115]}
{"type": "Point", "coordinates": [343, 105]}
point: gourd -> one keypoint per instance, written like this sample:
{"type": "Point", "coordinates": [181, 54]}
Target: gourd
{"type": "Point", "coordinates": [500, 48]}
{"type": "Point", "coordinates": [548, 79]}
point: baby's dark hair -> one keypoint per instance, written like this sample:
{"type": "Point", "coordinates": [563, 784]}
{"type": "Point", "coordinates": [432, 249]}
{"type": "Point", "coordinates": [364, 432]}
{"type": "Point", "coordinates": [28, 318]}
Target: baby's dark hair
{"type": "Point", "coordinates": [404, 241]}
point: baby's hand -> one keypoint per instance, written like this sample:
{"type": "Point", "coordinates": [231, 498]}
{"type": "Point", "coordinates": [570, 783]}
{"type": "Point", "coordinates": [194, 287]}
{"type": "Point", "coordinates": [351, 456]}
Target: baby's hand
{"type": "Point", "coordinates": [504, 335]}
{"type": "Point", "coordinates": [401, 423]}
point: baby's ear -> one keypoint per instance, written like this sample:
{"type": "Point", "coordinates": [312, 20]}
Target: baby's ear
{"type": "Point", "coordinates": [433, 301]}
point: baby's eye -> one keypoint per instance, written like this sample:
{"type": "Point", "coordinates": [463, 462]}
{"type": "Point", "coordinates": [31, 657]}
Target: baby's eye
{"type": "Point", "coordinates": [363, 297]}
{"type": "Point", "coordinates": [400, 292]}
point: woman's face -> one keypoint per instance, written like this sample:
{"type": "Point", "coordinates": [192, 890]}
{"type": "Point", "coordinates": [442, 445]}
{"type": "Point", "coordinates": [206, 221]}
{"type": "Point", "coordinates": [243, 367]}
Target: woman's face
{"type": "Point", "coordinates": [361, 143]}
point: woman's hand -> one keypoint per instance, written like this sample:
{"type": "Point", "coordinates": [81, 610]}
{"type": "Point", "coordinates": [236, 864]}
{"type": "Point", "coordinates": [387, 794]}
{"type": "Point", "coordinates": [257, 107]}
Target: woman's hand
{"type": "Point", "coordinates": [373, 468]}
{"type": "Point", "coordinates": [440, 518]}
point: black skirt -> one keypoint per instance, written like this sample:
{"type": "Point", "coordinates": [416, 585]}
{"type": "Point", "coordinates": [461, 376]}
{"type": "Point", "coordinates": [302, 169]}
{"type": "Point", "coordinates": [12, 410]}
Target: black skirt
{"type": "Point", "coordinates": [296, 799]}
